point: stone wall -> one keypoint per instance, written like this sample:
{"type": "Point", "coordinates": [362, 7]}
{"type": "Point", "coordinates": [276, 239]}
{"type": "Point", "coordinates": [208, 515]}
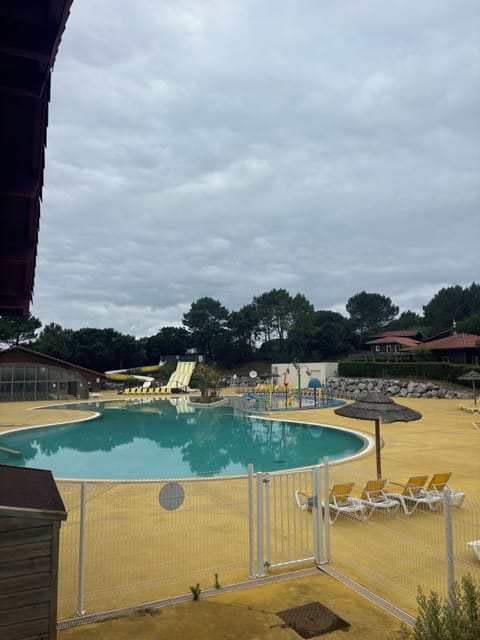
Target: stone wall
{"type": "Point", "coordinates": [352, 387]}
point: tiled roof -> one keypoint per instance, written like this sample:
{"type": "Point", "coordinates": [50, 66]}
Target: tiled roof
{"type": "Point", "coordinates": [405, 333]}
{"type": "Point", "coordinates": [458, 341]}
{"type": "Point", "coordinates": [442, 334]}
{"type": "Point", "coordinates": [395, 339]}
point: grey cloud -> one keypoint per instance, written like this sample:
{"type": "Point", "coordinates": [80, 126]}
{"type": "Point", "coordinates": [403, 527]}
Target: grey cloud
{"type": "Point", "coordinates": [224, 149]}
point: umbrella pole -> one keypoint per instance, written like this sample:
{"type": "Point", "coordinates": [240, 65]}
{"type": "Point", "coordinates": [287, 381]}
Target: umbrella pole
{"type": "Point", "coordinates": [377, 448]}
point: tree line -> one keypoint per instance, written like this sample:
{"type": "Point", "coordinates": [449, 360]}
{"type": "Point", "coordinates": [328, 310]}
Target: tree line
{"type": "Point", "coordinates": [274, 326]}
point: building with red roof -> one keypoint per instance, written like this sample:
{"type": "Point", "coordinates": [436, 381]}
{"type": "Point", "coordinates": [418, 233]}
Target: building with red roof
{"type": "Point", "coordinates": [459, 348]}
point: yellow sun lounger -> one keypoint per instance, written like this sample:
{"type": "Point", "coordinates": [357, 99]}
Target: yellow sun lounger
{"type": "Point", "coordinates": [439, 483]}
{"type": "Point", "coordinates": [374, 498]}
{"type": "Point", "coordinates": [470, 408]}
{"type": "Point", "coordinates": [340, 502]}
{"type": "Point", "coordinates": [412, 494]}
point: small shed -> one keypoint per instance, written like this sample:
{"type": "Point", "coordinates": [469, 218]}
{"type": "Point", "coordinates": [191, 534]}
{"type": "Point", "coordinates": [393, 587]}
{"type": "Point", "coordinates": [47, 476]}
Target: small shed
{"type": "Point", "coordinates": [31, 511]}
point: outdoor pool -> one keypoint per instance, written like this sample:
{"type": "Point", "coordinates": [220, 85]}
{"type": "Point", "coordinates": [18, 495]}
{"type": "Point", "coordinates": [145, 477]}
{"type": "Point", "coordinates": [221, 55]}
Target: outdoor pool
{"type": "Point", "coordinates": [172, 439]}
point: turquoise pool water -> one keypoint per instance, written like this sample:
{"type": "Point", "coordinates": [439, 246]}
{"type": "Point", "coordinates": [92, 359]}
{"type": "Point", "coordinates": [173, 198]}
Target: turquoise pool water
{"type": "Point", "coordinates": [166, 440]}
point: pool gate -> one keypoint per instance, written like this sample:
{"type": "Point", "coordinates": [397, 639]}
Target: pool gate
{"type": "Point", "coordinates": [127, 544]}
{"type": "Point", "coordinates": [282, 531]}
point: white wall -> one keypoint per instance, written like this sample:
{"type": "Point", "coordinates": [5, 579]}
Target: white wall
{"type": "Point", "coordinates": [320, 370]}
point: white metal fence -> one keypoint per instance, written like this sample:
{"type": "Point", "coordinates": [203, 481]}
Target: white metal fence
{"type": "Point", "coordinates": [394, 552]}
{"type": "Point", "coordinates": [136, 551]}
{"type": "Point", "coordinates": [120, 547]}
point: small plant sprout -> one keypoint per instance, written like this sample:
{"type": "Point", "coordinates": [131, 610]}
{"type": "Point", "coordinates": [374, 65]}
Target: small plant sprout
{"type": "Point", "coordinates": [196, 591]}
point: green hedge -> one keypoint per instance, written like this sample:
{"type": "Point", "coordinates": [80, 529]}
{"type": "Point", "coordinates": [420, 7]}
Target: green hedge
{"type": "Point", "coordinates": [430, 370]}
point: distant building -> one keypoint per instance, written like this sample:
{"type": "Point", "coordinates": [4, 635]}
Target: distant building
{"type": "Point", "coordinates": [287, 372]}
{"type": "Point", "coordinates": [460, 348]}
{"type": "Point", "coordinates": [29, 375]}
{"type": "Point", "coordinates": [401, 333]}
{"type": "Point", "coordinates": [391, 344]}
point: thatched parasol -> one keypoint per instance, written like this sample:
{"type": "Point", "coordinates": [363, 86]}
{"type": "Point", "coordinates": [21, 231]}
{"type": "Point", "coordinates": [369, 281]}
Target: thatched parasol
{"type": "Point", "coordinates": [378, 406]}
{"type": "Point", "coordinates": [471, 375]}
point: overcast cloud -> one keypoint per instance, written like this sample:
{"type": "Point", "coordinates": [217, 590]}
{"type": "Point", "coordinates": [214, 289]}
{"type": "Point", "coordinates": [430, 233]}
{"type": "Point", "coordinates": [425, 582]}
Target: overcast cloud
{"type": "Point", "coordinates": [223, 148]}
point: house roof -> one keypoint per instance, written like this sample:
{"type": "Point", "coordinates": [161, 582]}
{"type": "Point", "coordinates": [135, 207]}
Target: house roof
{"type": "Point", "coordinates": [30, 33]}
{"type": "Point", "coordinates": [441, 334]}
{"type": "Point", "coordinates": [403, 333]}
{"type": "Point", "coordinates": [55, 361]}
{"type": "Point", "coordinates": [407, 342]}
{"type": "Point", "coordinates": [451, 343]}
{"type": "Point", "coordinates": [29, 492]}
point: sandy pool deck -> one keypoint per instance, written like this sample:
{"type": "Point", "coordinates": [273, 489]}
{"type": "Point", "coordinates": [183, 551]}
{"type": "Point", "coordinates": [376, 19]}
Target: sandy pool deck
{"type": "Point", "coordinates": [443, 440]}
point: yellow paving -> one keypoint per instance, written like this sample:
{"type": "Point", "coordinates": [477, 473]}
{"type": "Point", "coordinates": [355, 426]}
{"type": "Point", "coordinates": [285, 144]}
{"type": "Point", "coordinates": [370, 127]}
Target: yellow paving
{"type": "Point", "coordinates": [443, 440]}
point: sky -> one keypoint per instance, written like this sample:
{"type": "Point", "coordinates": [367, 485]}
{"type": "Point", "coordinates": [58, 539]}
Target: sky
{"type": "Point", "coordinates": [224, 149]}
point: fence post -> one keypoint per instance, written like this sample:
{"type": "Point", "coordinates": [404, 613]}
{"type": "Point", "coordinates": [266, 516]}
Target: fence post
{"type": "Point", "coordinates": [251, 522]}
{"type": "Point", "coordinates": [317, 515]}
{"type": "Point", "coordinates": [81, 551]}
{"type": "Point", "coordinates": [447, 515]}
{"type": "Point", "coordinates": [260, 560]}
{"type": "Point", "coordinates": [326, 485]}
{"type": "Point", "coordinates": [268, 551]}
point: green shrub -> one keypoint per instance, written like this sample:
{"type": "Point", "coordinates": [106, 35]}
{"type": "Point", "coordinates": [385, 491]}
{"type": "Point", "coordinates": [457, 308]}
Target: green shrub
{"type": "Point", "coordinates": [422, 354]}
{"type": "Point", "coordinates": [456, 618]}
{"type": "Point", "coordinates": [384, 369]}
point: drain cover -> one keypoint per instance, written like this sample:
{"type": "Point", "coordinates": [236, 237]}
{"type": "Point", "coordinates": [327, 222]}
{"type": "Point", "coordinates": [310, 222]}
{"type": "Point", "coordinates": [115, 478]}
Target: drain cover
{"type": "Point", "coordinates": [312, 619]}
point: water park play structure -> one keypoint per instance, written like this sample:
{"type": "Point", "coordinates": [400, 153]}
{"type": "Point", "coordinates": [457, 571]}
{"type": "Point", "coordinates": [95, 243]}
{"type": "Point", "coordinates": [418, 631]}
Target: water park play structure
{"type": "Point", "coordinates": [179, 379]}
{"type": "Point", "coordinates": [296, 385]}
{"type": "Point", "coordinates": [268, 397]}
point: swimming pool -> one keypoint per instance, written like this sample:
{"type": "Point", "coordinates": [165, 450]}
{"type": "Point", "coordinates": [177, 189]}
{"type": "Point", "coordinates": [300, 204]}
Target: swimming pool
{"type": "Point", "coordinates": [170, 439]}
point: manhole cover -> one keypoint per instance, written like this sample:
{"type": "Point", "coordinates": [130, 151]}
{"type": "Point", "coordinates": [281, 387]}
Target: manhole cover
{"type": "Point", "coordinates": [312, 619]}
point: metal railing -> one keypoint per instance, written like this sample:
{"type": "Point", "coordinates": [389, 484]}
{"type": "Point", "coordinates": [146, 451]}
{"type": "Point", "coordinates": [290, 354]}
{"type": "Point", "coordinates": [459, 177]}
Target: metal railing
{"type": "Point", "coordinates": [121, 546]}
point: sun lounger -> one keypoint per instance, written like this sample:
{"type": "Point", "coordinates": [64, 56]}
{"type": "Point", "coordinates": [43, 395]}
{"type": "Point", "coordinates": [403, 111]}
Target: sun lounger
{"type": "Point", "coordinates": [303, 500]}
{"type": "Point", "coordinates": [475, 544]}
{"type": "Point", "coordinates": [374, 498]}
{"type": "Point", "coordinates": [470, 408]}
{"type": "Point", "coordinates": [439, 483]}
{"type": "Point", "coordinates": [467, 409]}
{"type": "Point", "coordinates": [340, 502]}
{"type": "Point", "coordinates": [412, 494]}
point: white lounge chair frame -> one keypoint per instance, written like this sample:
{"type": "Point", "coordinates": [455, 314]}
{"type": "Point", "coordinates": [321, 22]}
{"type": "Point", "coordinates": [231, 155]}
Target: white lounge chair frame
{"type": "Point", "coordinates": [413, 493]}
{"type": "Point", "coordinates": [340, 502]}
{"type": "Point", "coordinates": [475, 545]}
{"type": "Point", "coordinates": [374, 498]}
{"type": "Point", "coordinates": [439, 483]}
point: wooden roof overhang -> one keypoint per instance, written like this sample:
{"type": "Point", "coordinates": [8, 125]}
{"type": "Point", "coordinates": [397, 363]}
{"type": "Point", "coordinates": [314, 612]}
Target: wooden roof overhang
{"type": "Point", "coordinates": [30, 33]}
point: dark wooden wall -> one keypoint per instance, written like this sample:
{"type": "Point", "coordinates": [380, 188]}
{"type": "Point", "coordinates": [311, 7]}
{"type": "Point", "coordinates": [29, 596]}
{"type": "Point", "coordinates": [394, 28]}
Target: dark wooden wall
{"type": "Point", "coordinates": [28, 578]}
